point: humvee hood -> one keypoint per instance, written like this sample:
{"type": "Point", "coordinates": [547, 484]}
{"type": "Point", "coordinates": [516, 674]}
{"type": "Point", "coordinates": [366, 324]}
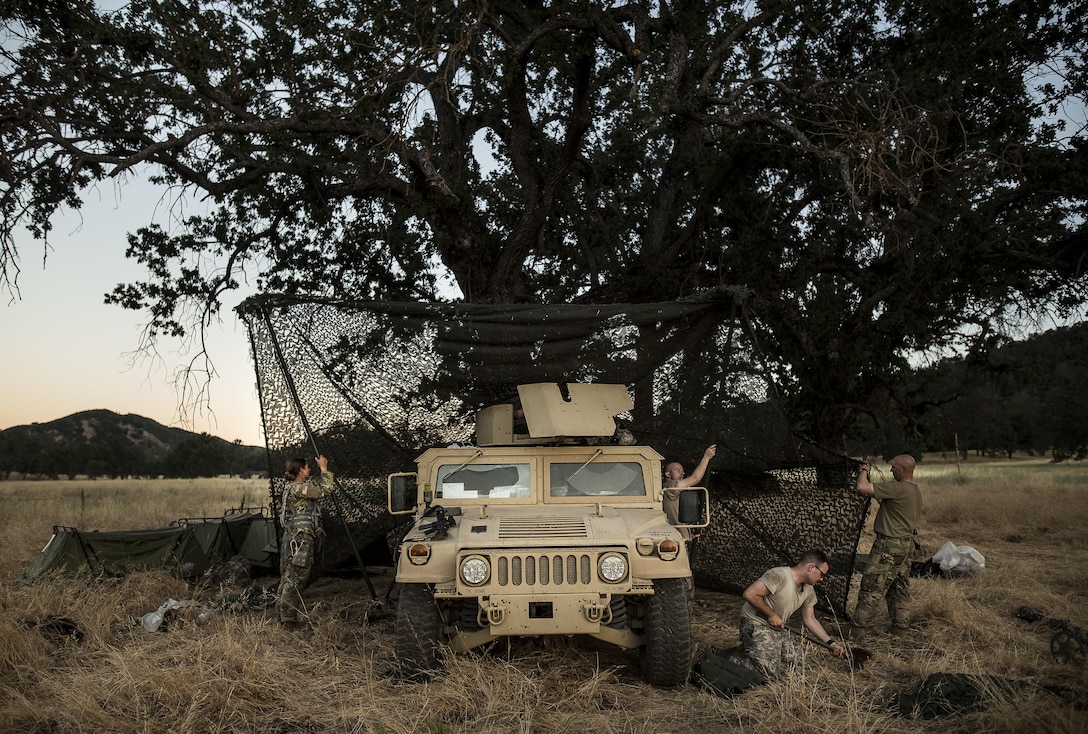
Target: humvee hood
{"type": "Point", "coordinates": [536, 526]}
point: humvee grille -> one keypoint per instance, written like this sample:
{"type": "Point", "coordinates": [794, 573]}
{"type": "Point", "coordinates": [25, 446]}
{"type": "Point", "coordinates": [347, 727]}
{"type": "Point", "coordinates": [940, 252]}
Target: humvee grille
{"type": "Point", "coordinates": [543, 569]}
{"type": "Point", "coordinates": [537, 527]}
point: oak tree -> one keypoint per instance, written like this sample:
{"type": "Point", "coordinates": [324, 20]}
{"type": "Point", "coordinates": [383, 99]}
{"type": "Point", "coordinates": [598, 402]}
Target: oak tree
{"type": "Point", "coordinates": [866, 179]}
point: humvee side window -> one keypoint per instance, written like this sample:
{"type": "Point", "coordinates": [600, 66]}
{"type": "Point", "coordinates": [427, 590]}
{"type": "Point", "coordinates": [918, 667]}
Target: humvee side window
{"type": "Point", "coordinates": [596, 479]}
{"type": "Point", "coordinates": [483, 481]}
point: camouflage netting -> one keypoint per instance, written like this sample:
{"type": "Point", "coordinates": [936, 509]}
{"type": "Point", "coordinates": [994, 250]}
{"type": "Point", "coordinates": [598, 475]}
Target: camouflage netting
{"type": "Point", "coordinates": [372, 384]}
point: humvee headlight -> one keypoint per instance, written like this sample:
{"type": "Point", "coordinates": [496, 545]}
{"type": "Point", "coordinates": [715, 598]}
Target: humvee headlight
{"type": "Point", "coordinates": [668, 549]}
{"type": "Point", "coordinates": [612, 567]}
{"type": "Point", "coordinates": [474, 570]}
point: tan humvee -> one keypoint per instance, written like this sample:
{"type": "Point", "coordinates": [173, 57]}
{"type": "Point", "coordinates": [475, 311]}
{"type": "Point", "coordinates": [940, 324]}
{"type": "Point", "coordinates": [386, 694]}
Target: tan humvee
{"type": "Point", "coordinates": [546, 527]}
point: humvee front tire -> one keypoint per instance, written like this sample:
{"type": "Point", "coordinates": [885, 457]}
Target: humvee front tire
{"type": "Point", "coordinates": [666, 657]}
{"type": "Point", "coordinates": [417, 629]}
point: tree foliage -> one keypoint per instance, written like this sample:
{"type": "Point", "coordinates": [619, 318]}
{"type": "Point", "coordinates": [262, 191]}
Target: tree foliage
{"type": "Point", "coordinates": [1021, 396]}
{"type": "Point", "coordinates": [868, 179]}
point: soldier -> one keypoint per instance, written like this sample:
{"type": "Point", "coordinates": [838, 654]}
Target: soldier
{"type": "Point", "coordinates": [300, 516]}
{"type": "Point", "coordinates": [675, 480]}
{"type": "Point", "coordinates": [887, 575]}
{"type": "Point", "coordinates": [769, 603]}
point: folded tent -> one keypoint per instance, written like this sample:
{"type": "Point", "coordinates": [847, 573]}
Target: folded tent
{"type": "Point", "coordinates": [187, 548]}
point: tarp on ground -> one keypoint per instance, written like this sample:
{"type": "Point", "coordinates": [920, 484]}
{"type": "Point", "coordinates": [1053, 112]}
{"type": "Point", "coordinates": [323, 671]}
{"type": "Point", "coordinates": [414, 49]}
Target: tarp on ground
{"type": "Point", "coordinates": [261, 546]}
{"type": "Point", "coordinates": [249, 534]}
{"type": "Point", "coordinates": [188, 548]}
{"type": "Point", "coordinates": [117, 553]}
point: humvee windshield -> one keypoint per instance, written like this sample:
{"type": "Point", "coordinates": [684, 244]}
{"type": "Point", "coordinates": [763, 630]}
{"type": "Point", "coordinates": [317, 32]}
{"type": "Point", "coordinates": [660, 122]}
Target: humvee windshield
{"type": "Point", "coordinates": [596, 479]}
{"type": "Point", "coordinates": [484, 481]}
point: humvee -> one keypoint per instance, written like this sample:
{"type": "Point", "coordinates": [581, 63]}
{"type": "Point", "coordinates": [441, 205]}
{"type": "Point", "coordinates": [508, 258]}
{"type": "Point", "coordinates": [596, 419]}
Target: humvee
{"type": "Point", "coordinates": [545, 527]}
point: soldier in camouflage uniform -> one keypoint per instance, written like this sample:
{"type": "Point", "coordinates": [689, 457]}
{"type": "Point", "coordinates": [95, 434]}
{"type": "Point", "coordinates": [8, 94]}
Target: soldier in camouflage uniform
{"type": "Point", "coordinates": [301, 520]}
{"type": "Point", "coordinates": [887, 575]}
{"type": "Point", "coordinates": [769, 603]}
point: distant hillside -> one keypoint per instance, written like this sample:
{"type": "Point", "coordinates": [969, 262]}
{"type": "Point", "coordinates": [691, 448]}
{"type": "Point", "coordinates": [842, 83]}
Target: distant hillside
{"type": "Point", "coordinates": [150, 436]}
{"type": "Point", "coordinates": [1022, 396]}
{"type": "Point", "coordinates": [104, 443]}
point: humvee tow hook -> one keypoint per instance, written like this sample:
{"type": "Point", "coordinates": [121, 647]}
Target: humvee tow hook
{"type": "Point", "coordinates": [496, 614]}
{"type": "Point", "coordinates": [597, 611]}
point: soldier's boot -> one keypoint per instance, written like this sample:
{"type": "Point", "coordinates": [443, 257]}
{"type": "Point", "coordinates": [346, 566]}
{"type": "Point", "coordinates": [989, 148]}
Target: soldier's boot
{"type": "Point", "coordinates": [855, 632]}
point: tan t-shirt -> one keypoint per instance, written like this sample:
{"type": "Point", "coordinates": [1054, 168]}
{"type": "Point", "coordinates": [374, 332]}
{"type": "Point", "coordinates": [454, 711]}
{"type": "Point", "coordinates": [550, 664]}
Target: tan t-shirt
{"type": "Point", "coordinates": [670, 503]}
{"type": "Point", "coordinates": [900, 511]}
{"type": "Point", "coordinates": [784, 596]}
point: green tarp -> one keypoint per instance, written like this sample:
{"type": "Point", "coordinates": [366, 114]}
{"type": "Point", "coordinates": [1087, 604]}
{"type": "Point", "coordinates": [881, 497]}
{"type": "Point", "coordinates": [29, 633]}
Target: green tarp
{"type": "Point", "coordinates": [188, 548]}
{"type": "Point", "coordinates": [249, 534]}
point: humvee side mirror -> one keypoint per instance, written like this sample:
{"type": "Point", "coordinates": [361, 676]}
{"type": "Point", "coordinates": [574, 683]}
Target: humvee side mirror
{"type": "Point", "coordinates": [694, 510]}
{"type": "Point", "coordinates": [402, 493]}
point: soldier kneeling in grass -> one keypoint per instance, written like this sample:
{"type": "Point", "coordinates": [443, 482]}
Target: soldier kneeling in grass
{"type": "Point", "coordinates": [769, 603]}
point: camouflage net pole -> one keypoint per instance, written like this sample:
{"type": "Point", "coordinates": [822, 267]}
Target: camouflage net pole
{"type": "Point", "coordinates": [334, 496]}
{"type": "Point", "coordinates": [379, 382]}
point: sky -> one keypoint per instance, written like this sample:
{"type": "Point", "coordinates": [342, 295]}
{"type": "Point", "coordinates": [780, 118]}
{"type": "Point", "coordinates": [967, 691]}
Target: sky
{"type": "Point", "coordinates": [67, 351]}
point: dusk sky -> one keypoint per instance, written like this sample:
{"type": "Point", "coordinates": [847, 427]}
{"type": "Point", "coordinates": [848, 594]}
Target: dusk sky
{"type": "Point", "coordinates": [67, 351]}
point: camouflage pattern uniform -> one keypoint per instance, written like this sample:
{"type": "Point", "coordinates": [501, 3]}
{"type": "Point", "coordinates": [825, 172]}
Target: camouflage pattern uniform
{"type": "Point", "coordinates": [767, 650]}
{"type": "Point", "coordinates": [887, 575]}
{"type": "Point", "coordinates": [301, 519]}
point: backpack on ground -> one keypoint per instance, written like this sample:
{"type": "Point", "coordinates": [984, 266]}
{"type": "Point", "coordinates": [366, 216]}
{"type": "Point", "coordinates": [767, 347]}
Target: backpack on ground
{"type": "Point", "coordinates": [724, 675]}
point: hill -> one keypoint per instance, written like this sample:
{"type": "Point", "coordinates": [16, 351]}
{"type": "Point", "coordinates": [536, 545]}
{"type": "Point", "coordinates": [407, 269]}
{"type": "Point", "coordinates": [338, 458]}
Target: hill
{"type": "Point", "coordinates": [152, 437]}
{"type": "Point", "coordinates": [1020, 396]}
{"type": "Point", "coordinates": [104, 443]}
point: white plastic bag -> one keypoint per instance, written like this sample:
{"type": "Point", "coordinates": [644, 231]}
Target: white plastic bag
{"type": "Point", "coordinates": [959, 560]}
{"type": "Point", "coordinates": [152, 621]}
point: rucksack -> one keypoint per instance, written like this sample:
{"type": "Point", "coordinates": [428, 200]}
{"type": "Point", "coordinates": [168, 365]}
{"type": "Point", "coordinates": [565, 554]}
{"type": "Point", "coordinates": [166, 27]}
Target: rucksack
{"type": "Point", "coordinates": [722, 674]}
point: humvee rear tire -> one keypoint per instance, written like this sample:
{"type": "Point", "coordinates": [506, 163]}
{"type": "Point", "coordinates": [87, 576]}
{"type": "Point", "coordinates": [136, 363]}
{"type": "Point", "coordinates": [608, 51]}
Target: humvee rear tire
{"type": "Point", "coordinates": [666, 657]}
{"type": "Point", "coordinates": [417, 629]}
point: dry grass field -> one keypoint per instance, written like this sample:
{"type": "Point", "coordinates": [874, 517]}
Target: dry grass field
{"type": "Point", "coordinates": [240, 672]}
